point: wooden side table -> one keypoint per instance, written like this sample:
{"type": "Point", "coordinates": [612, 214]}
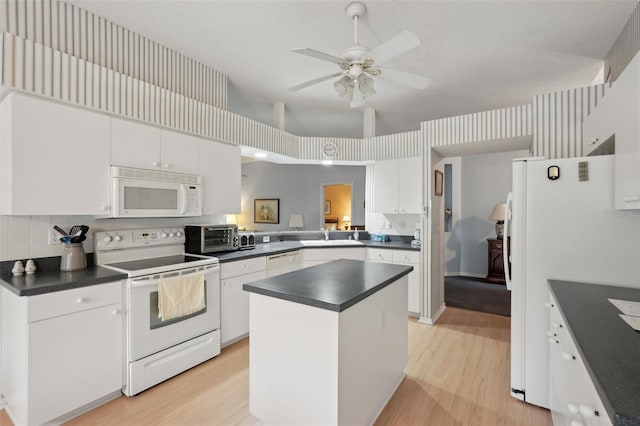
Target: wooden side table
{"type": "Point", "coordinates": [495, 260]}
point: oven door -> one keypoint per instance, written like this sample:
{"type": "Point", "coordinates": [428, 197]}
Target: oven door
{"type": "Point", "coordinates": [146, 334]}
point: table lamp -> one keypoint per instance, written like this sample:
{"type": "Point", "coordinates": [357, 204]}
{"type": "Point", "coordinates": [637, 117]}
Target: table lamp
{"type": "Point", "coordinates": [498, 214]}
{"type": "Point", "coordinates": [346, 219]}
{"type": "Point", "coordinates": [296, 222]}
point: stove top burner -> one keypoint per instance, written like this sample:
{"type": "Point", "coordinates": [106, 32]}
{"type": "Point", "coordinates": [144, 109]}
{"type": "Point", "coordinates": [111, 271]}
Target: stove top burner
{"type": "Point", "coordinates": [158, 262]}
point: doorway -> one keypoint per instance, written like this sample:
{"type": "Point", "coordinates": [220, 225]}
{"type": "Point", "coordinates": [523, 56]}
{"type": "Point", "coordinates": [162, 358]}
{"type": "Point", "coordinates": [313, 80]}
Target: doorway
{"type": "Point", "coordinates": [336, 206]}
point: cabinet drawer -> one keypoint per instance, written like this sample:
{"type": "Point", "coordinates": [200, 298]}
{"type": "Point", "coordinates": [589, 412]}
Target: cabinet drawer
{"type": "Point", "coordinates": [75, 300]}
{"type": "Point", "coordinates": [242, 267]}
{"type": "Point", "coordinates": [379, 255]}
{"type": "Point", "coordinates": [406, 256]}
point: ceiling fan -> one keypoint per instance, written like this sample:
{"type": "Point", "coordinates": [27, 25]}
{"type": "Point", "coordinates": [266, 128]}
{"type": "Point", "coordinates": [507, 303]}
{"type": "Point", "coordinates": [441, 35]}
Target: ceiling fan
{"type": "Point", "coordinates": [357, 63]}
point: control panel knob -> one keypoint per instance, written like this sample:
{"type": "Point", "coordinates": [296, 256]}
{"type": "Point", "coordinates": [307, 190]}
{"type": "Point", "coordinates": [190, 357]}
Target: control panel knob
{"type": "Point", "coordinates": [163, 235]}
{"type": "Point", "coordinates": [117, 238]}
{"type": "Point", "coordinates": [178, 234]}
{"type": "Point", "coordinates": [171, 235]}
{"type": "Point", "coordinates": [107, 239]}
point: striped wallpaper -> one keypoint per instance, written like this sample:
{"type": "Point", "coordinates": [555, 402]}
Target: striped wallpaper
{"type": "Point", "coordinates": [481, 126]}
{"type": "Point", "coordinates": [557, 118]}
{"type": "Point", "coordinates": [625, 47]}
{"type": "Point", "coordinates": [71, 30]}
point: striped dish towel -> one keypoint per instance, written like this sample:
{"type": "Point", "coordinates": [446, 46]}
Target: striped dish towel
{"type": "Point", "coordinates": [181, 295]}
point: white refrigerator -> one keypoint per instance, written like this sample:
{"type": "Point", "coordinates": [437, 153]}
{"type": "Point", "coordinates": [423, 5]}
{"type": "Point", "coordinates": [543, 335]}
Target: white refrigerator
{"type": "Point", "coordinates": [563, 225]}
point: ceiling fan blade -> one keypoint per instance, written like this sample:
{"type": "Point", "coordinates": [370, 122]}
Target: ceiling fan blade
{"type": "Point", "coordinates": [315, 81]}
{"type": "Point", "coordinates": [318, 55]}
{"type": "Point", "coordinates": [400, 43]}
{"type": "Point", "coordinates": [405, 78]}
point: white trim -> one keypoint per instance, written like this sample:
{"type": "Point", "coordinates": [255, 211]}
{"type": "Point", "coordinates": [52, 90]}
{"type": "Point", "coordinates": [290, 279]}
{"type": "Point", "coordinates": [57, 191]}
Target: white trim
{"type": "Point", "coordinates": [436, 316]}
{"type": "Point", "coordinates": [471, 275]}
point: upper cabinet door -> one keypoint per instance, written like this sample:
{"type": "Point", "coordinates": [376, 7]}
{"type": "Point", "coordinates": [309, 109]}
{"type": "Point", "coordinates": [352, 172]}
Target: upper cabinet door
{"type": "Point", "coordinates": [385, 184]}
{"type": "Point", "coordinates": [221, 177]}
{"type": "Point", "coordinates": [179, 153]}
{"type": "Point", "coordinates": [134, 145]}
{"type": "Point", "coordinates": [54, 159]}
{"type": "Point", "coordinates": [409, 185]}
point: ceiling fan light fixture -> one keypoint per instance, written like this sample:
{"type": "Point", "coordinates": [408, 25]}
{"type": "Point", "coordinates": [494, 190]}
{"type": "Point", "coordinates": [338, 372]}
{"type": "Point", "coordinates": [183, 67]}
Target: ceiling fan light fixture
{"type": "Point", "coordinates": [365, 84]}
{"type": "Point", "coordinates": [343, 86]}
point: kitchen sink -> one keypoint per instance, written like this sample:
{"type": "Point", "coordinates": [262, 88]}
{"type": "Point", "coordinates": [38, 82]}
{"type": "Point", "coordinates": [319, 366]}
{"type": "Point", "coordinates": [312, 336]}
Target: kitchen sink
{"type": "Point", "coordinates": [326, 243]}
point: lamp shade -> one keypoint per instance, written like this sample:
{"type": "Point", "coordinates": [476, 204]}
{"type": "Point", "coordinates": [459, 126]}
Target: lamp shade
{"type": "Point", "coordinates": [296, 221]}
{"type": "Point", "coordinates": [346, 218]}
{"type": "Point", "coordinates": [499, 212]}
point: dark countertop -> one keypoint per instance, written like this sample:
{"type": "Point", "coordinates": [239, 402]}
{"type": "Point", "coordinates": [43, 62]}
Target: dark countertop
{"type": "Point", "coordinates": [334, 286]}
{"type": "Point", "coordinates": [45, 281]}
{"type": "Point", "coordinates": [288, 246]}
{"type": "Point", "coordinates": [609, 347]}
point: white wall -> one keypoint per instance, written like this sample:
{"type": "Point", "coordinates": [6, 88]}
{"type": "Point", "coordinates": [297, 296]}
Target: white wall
{"type": "Point", "coordinates": [436, 300]}
{"type": "Point", "coordinates": [27, 237]}
{"type": "Point", "coordinates": [486, 180]}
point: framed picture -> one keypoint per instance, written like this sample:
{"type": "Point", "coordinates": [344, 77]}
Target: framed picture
{"type": "Point", "coordinates": [327, 207]}
{"type": "Point", "coordinates": [266, 210]}
{"type": "Point", "coordinates": [438, 182]}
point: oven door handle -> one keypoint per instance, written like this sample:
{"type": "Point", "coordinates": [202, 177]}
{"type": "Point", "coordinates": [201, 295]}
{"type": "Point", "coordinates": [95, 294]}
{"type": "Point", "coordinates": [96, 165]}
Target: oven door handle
{"type": "Point", "coordinates": [151, 283]}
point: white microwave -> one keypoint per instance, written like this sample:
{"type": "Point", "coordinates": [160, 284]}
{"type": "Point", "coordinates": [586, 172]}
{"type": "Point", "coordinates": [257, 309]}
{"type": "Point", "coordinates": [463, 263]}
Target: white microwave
{"type": "Point", "coordinates": [151, 193]}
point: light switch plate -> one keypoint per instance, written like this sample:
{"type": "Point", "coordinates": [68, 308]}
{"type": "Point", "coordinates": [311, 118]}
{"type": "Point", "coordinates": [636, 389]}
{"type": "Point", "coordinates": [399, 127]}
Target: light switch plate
{"type": "Point", "coordinates": [54, 237]}
{"type": "Point", "coordinates": [266, 239]}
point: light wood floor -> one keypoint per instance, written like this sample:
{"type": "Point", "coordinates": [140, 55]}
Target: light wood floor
{"type": "Point", "coordinates": [458, 374]}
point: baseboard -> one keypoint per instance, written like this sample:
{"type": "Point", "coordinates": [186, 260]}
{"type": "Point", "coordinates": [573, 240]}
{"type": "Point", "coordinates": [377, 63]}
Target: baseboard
{"type": "Point", "coordinates": [471, 274]}
{"type": "Point", "coordinates": [452, 274]}
{"type": "Point", "coordinates": [434, 318]}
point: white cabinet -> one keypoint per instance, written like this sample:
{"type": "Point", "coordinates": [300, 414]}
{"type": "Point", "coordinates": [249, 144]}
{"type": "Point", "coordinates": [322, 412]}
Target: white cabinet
{"type": "Point", "coordinates": [234, 301]}
{"type": "Point", "coordinates": [316, 256]}
{"type": "Point", "coordinates": [147, 147]}
{"type": "Point", "coordinates": [54, 159]}
{"type": "Point", "coordinates": [221, 175]}
{"type": "Point", "coordinates": [62, 351]}
{"type": "Point", "coordinates": [599, 126]}
{"type": "Point", "coordinates": [397, 186]}
{"type": "Point", "coordinates": [573, 399]}
{"type": "Point", "coordinates": [402, 257]}
{"type": "Point", "coordinates": [627, 155]}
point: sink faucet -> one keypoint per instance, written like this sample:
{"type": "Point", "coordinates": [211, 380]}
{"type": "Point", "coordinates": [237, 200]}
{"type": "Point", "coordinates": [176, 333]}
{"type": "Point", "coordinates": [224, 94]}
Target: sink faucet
{"type": "Point", "coordinates": [326, 233]}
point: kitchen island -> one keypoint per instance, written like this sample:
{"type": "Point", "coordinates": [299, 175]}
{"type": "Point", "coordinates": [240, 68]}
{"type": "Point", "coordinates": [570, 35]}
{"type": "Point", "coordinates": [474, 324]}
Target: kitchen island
{"type": "Point", "coordinates": [328, 343]}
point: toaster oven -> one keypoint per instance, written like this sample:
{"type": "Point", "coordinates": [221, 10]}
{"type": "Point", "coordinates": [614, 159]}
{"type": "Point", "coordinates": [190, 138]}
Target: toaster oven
{"type": "Point", "coordinates": [202, 239]}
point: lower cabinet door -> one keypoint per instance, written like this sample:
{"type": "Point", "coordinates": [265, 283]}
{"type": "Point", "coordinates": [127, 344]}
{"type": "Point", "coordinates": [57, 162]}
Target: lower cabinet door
{"type": "Point", "coordinates": [234, 306]}
{"type": "Point", "coordinates": [413, 303]}
{"type": "Point", "coordinates": [74, 360]}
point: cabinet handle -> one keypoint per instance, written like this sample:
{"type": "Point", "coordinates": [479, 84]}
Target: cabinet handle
{"type": "Point", "coordinates": [395, 210]}
{"type": "Point", "coordinates": [552, 340]}
{"type": "Point", "coordinates": [402, 210]}
{"type": "Point", "coordinates": [594, 141]}
{"type": "Point", "coordinates": [632, 198]}
{"type": "Point", "coordinates": [556, 325]}
{"type": "Point", "coordinates": [115, 312]}
{"type": "Point", "coordinates": [552, 334]}
{"type": "Point", "coordinates": [573, 408]}
{"type": "Point", "coordinates": [167, 165]}
{"type": "Point", "coordinates": [380, 256]}
{"type": "Point", "coordinates": [82, 300]}
{"type": "Point", "coordinates": [105, 208]}
{"type": "Point", "coordinates": [156, 164]}
{"type": "Point", "coordinates": [587, 411]}
{"type": "Point", "coordinates": [568, 356]}
{"type": "Point", "coordinates": [548, 304]}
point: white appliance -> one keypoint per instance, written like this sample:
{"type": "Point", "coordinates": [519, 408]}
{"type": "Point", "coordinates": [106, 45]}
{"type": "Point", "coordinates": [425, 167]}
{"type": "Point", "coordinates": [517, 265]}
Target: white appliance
{"type": "Point", "coordinates": [151, 193]}
{"type": "Point", "coordinates": [157, 350]}
{"type": "Point", "coordinates": [282, 263]}
{"type": "Point", "coordinates": [563, 226]}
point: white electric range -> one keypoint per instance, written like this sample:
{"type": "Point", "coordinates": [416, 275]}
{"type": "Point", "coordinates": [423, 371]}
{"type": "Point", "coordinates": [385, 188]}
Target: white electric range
{"type": "Point", "coordinates": [157, 350]}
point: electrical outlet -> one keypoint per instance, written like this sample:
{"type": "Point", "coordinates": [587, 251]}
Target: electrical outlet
{"type": "Point", "coordinates": [266, 239]}
{"type": "Point", "coordinates": [54, 237]}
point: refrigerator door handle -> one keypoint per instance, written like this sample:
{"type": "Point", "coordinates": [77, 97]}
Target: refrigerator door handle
{"type": "Point", "coordinates": [505, 242]}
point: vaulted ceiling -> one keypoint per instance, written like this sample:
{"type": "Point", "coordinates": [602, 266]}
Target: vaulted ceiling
{"type": "Point", "coordinates": [480, 55]}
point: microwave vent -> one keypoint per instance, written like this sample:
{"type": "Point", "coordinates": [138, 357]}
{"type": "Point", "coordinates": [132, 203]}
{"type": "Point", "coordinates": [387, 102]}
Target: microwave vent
{"type": "Point", "coordinates": [131, 173]}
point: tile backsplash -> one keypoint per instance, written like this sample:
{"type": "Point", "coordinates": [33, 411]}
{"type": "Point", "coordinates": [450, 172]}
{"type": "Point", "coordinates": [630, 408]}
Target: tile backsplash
{"type": "Point", "coordinates": [27, 237]}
